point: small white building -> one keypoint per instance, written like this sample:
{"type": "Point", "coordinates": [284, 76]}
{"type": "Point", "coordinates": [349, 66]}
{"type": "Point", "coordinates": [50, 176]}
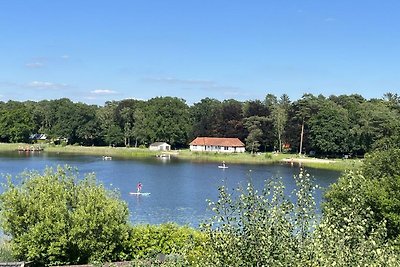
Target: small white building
{"type": "Point", "coordinates": [160, 146]}
{"type": "Point", "coordinates": [217, 144]}
{"type": "Point", "coordinates": [37, 137]}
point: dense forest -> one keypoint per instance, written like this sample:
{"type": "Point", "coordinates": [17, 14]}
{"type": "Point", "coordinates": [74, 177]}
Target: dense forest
{"type": "Point", "coordinates": [329, 126]}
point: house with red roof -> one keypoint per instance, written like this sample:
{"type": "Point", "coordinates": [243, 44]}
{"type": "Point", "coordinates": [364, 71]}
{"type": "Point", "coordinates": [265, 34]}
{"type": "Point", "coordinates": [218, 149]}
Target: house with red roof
{"type": "Point", "coordinates": [217, 144]}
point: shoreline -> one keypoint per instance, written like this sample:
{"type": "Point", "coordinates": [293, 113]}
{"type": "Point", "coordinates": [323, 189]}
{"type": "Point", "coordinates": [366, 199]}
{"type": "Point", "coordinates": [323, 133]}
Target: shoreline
{"type": "Point", "coordinates": [238, 158]}
{"type": "Point", "coordinates": [308, 160]}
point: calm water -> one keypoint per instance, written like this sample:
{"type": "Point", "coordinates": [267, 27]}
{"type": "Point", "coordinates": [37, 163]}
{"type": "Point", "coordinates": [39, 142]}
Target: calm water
{"type": "Point", "coordinates": [179, 189]}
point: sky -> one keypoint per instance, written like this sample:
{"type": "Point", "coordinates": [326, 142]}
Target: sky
{"type": "Point", "coordinates": [98, 51]}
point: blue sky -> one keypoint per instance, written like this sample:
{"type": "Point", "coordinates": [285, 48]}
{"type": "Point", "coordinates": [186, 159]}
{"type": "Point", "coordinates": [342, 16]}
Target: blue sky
{"type": "Point", "coordinates": [95, 51]}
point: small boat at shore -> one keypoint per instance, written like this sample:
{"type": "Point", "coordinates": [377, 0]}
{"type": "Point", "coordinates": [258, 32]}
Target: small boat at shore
{"type": "Point", "coordinates": [107, 158]}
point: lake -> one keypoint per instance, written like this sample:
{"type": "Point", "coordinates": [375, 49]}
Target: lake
{"type": "Point", "coordinates": [178, 188]}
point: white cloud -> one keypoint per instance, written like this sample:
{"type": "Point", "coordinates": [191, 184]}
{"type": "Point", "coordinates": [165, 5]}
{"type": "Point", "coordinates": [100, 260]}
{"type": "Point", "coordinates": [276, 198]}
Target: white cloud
{"type": "Point", "coordinates": [66, 57]}
{"type": "Point", "coordinates": [103, 92]}
{"type": "Point", "coordinates": [34, 65]}
{"type": "Point", "coordinates": [46, 85]}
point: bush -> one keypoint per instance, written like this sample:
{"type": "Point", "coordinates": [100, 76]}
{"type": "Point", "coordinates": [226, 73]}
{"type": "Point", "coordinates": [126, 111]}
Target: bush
{"type": "Point", "coordinates": [350, 231]}
{"type": "Point", "coordinates": [269, 229]}
{"type": "Point", "coordinates": [149, 241]}
{"type": "Point", "coordinates": [378, 185]}
{"type": "Point", "coordinates": [55, 218]}
{"type": "Point", "coordinates": [380, 164]}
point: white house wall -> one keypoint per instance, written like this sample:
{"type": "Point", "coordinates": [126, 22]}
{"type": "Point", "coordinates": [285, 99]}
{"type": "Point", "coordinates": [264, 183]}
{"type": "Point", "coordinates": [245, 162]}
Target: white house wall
{"type": "Point", "coordinates": [160, 148]}
{"type": "Point", "coordinates": [221, 149]}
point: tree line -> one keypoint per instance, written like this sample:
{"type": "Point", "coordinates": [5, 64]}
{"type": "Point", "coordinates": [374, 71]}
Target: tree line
{"type": "Point", "coordinates": [329, 126]}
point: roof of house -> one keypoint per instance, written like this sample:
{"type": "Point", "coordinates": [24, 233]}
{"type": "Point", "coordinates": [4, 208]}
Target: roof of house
{"type": "Point", "coordinates": [159, 144]}
{"type": "Point", "coordinates": [216, 141]}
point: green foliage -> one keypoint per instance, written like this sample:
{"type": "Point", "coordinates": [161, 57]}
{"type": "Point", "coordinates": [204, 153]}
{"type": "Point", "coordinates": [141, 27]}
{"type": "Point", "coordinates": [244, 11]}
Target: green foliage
{"type": "Point", "coordinates": [378, 184]}
{"type": "Point", "coordinates": [55, 218]}
{"type": "Point", "coordinates": [254, 126]}
{"type": "Point", "coordinates": [268, 155]}
{"type": "Point", "coordinates": [204, 117]}
{"type": "Point", "coordinates": [269, 229]}
{"type": "Point", "coordinates": [250, 228]}
{"type": "Point", "coordinates": [375, 121]}
{"type": "Point", "coordinates": [279, 118]}
{"type": "Point", "coordinates": [350, 236]}
{"type": "Point", "coordinates": [382, 164]}
{"type": "Point", "coordinates": [166, 119]}
{"type": "Point", "coordinates": [383, 187]}
{"type": "Point", "coordinates": [148, 241]}
{"type": "Point", "coordinates": [16, 122]}
{"type": "Point", "coordinates": [231, 119]}
{"type": "Point", "coordinates": [329, 130]}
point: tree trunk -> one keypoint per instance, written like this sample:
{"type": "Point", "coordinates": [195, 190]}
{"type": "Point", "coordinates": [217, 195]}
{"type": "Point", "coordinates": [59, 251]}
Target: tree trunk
{"type": "Point", "coordinates": [280, 143]}
{"type": "Point", "coordinates": [301, 138]}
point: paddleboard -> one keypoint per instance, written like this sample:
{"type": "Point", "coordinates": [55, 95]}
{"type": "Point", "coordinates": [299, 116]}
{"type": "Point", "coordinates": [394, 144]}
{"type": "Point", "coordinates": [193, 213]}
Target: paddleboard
{"type": "Point", "coordinates": [139, 194]}
{"type": "Point", "coordinates": [223, 167]}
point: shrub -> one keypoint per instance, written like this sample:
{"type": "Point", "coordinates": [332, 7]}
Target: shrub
{"type": "Point", "coordinates": [269, 229]}
{"type": "Point", "coordinates": [380, 164]}
{"type": "Point", "coordinates": [148, 241]}
{"type": "Point", "coordinates": [55, 218]}
{"type": "Point", "coordinates": [378, 185]}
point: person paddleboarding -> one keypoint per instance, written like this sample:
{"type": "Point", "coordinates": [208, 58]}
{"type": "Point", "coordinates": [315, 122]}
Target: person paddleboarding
{"type": "Point", "coordinates": [139, 187]}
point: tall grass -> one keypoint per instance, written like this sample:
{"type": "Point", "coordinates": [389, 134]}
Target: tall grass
{"type": "Point", "coordinates": [121, 152]}
{"type": "Point", "coordinates": [4, 147]}
{"type": "Point", "coordinates": [338, 165]}
{"type": "Point", "coordinates": [232, 157]}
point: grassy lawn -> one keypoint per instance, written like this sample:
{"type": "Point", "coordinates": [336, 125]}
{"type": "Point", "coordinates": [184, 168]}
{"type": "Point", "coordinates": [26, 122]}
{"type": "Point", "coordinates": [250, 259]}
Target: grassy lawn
{"type": "Point", "coordinates": [260, 158]}
{"type": "Point", "coordinates": [338, 165]}
{"type": "Point", "coordinates": [231, 157]}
